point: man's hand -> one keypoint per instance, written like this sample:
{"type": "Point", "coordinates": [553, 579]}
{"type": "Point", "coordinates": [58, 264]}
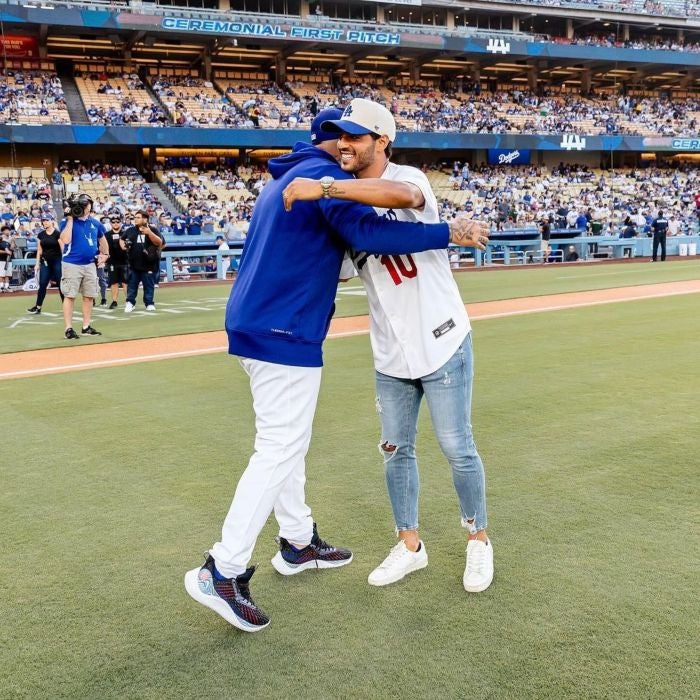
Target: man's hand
{"type": "Point", "coordinates": [469, 233]}
{"type": "Point", "coordinates": [302, 189]}
{"type": "Point", "coordinates": [101, 259]}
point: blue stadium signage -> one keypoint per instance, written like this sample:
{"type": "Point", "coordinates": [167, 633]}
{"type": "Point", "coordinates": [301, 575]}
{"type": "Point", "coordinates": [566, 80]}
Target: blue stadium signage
{"type": "Point", "coordinates": [685, 144]}
{"type": "Point", "coordinates": [211, 26]}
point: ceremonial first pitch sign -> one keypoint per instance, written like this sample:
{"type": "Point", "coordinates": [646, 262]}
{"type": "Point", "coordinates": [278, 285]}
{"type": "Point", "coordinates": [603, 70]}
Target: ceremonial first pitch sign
{"type": "Point", "coordinates": [279, 31]}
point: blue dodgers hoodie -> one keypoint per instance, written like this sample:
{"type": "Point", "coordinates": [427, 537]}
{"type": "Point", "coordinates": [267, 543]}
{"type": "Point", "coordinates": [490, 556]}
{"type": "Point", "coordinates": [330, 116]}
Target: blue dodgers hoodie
{"type": "Point", "coordinates": [282, 302]}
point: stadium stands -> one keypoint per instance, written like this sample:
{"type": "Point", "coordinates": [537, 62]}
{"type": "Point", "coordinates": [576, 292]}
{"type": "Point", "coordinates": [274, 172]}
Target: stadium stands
{"type": "Point", "coordinates": [117, 99]}
{"type": "Point", "coordinates": [32, 97]}
{"type": "Point", "coordinates": [192, 101]}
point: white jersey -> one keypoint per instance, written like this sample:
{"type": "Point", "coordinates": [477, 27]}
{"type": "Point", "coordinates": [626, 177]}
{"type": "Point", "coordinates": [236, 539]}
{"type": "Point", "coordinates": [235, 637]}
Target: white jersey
{"type": "Point", "coordinates": [417, 317]}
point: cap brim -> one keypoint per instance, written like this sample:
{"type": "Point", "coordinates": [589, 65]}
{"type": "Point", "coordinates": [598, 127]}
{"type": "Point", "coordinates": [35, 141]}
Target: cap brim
{"type": "Point", "coordinates": [348, 127]}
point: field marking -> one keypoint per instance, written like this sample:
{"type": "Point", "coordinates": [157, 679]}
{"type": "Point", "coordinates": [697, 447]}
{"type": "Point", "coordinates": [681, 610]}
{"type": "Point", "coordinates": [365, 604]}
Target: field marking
{"type": "Point", "coordinates": [345, 327]}
{"type": "Point", "coordinates": [109, 363]}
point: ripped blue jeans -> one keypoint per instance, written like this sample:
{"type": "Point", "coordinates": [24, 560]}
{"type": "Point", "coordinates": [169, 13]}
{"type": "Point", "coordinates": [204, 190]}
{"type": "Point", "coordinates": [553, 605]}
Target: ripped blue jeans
{"type": "Point", "coordinates": [448, 392]}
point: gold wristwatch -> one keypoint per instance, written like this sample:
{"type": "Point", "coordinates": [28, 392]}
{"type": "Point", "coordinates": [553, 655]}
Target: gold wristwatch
{"type": "Point", "coordinates": [326, 183]}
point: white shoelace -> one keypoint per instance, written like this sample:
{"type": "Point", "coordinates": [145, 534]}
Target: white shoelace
{"type": "Point", "coordinates": [476, 560]}
{"type": "Point", "coordinates": [398, 551]}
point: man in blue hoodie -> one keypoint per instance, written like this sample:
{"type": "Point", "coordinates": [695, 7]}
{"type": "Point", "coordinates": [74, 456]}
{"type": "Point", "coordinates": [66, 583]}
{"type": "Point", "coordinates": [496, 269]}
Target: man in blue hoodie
{"type": "Point", "coordinates": [276, 319]}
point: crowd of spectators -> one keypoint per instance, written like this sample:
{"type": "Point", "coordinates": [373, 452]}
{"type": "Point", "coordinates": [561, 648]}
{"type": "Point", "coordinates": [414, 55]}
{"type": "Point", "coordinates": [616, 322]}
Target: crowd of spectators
{"type": "Point", "coordinates": [194, 102]}
{"type": "Point", "coordinates": [569, 196]}
{"type": "Point", "coordinates": [663, 8]}
{"type": "Point", "coordinates": [611, 41]}
{"type": "Point", "coordinates": [218, 201]}
{"type": "Point", "coordinates": [118, 100]}
{"type": "Point", "coordinates": [467, 108]}
{"type": "Point", "coordinates": [32, 97]}
{"type": "Point", "coordinates": [520, 111]}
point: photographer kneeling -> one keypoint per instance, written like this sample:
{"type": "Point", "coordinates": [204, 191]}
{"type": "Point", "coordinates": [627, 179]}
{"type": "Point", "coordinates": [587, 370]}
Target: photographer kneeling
{"type": "Point", "coordinates": [83, 240]}
{"type": "Point", "coordinates": [143, 245]}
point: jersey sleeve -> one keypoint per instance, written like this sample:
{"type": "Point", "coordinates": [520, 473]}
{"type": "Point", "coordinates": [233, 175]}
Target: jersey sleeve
{"type": "Point", "coordinates": [347, 269]}
{"type": "Point", "coordinates": [429, 213]}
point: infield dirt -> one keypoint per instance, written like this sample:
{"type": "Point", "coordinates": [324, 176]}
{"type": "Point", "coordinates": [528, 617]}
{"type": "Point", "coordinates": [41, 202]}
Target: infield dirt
{"type": "Point", "coordinates": [55, 360]}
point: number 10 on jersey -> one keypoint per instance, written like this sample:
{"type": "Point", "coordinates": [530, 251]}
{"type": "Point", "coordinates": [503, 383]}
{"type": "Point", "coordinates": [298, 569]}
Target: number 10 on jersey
{"type": "Point", "coordinates": [399, 267]}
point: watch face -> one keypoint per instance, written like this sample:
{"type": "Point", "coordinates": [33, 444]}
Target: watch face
{"type": "Point", "coordinates": [326, 181]}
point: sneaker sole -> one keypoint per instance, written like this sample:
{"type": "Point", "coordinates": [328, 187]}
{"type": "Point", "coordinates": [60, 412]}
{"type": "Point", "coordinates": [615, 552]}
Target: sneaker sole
{"type": "Point", "coordinates": [283, 567]}
{"type": "Point", "coordinates": [397, 577]}
{"type": "Point", "coordinates": [477, 589]}
{"type": "Point", "coordinates": [216, 604]}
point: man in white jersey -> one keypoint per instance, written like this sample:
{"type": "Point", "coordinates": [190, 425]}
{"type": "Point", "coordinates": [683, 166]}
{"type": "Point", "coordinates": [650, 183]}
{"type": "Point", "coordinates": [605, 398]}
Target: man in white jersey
{"type": "Point", "coordinates": [421, 340]}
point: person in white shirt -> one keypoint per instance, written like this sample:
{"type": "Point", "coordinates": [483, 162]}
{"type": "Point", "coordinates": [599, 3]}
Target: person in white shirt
{"type": "Point", "coordinates": [421, 341]}
{"type": "Point", "coordinates": [674, 226]}
{"type": "Point", "coordinates": [225, 259]}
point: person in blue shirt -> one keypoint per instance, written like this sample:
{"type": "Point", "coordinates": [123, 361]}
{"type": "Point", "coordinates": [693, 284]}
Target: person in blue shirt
{"type": "Point", "coordinates": [581, 222]}
{"type": "Point", "coordinates": [277, 317]}
{"type": "Point", "coordinates": [179, 225]}
{"type": "Point", "coordinates": [194, 224]}
{"type": "Point", "coordinates": [83, 240]}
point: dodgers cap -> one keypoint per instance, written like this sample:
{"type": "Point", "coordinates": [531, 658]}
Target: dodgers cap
{"type": "Point", "coordinates": [318, 134]}
{"type": "Point", "coordinates": [364, 117]}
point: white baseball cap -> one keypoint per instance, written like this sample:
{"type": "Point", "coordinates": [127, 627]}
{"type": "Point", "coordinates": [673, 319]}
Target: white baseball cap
{"type": "Point", "coordinates": [364, 117]}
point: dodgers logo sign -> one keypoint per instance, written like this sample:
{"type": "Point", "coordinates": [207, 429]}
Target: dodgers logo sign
{"type": "Point", "coordinates": [572, 142]}
{"type": "Point", "coordinates": [498, 46]}
{"type": "Point", "coordinates": [500, 156]}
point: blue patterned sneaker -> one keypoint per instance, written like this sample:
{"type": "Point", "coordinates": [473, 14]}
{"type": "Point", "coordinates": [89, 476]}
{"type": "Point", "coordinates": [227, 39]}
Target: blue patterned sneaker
{"type": "Point", "coordinates": [228, 597]}
{"type": "Point", "coordinates": [317, 555]}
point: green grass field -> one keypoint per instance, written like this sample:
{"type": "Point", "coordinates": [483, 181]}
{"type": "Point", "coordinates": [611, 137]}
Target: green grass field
{"type": "Point", "coordinates": [115, 481]}
{"type": "Point", "coordinates": [193, 309]}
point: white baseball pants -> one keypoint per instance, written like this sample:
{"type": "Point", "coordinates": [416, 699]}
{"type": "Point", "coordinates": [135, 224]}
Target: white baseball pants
{"type": "Point", "coordinates": [284, 400]}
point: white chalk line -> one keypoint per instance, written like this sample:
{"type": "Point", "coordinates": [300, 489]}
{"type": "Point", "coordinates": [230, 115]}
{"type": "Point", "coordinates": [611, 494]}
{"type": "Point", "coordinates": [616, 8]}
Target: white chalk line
{"type": "Point", "coordinates": [338, 334]}
{"type": "Point", "coordinates": [108, 363]}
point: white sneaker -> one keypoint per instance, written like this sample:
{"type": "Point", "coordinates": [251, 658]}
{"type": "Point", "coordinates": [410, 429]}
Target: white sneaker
{"type": "Point", "coordinates": [128, 307]}
{"type": "Point", "coordinates": [151, 307]}
{"type": "Point", "coordinates": [478, 573]}
{"type": "Point", "coordinates": [401, 561]}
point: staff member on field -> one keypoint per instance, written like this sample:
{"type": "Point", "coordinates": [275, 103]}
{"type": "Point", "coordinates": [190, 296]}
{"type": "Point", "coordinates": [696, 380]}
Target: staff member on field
{"type": "Point", "coordinates": [143, 244]}
{"type": "Point", "coordinates": [117, 268]}
{"type": "Point", "coordinates": [659, 228]}
{"type": "Point", "coordinates": [82, 238]}
{"type": "Point", "coordinates": [48, 260]}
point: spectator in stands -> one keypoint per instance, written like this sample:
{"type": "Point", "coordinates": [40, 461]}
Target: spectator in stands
{"type": "Point", "coordinates": [674, 226]}
{"type": "Point", "coordinates": [193, 223]}
{"type": "Point", "coordinates": [83, 240]}
{"type": "Point", "coordinates": [165, 225]}
{"type": "Point", "coordinates": [117, 265]}
{"type": "Point", "coordinates": [48, 261]}
{"type": "Point", "coordinates": [659, 227]}
{"type": "Point", "coordinates": [143, 244]}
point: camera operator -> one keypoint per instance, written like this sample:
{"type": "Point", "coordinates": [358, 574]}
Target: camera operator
{"type": "Point", "coordinates": [117, 269]}
{"type": "Point", "coordinates": [83, 239]}
{"type": "Point", "coordinates": [143, 244]}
